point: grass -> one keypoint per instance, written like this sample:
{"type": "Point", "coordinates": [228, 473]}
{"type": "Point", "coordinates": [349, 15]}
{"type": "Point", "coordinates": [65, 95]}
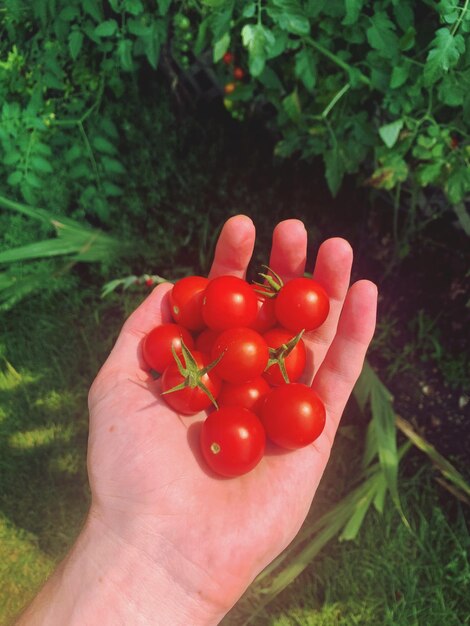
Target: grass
{"type": "Point", "coordinates": [51, 354]}
{"type": "Point", "coordinates": [389, 576]}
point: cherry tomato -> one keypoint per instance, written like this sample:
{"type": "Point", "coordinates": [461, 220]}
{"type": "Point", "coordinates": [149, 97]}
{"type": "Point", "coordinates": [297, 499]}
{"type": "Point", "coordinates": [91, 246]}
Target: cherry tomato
{"type": "Point", "coordinates": [230, 88]}
{"type": "Point", "coordinates": [247, 395]}
{"type": "Point", "coordinates": [149, 282]}
{"type": "Point", "coordinates": [186, 301]}
{"type": "Point", "coordinates": [156, 346]}
{"type": "Point", "coordinates": [190, 400]}
{"type": "Point", "coordinates": [205, 340]}
{"type": "Point", "coordinates": [302, 303]}
{"type": "Point", "coordinates": [293, 415]}
{"type": "Point", "coordinates": [266, 317]}
{"type": "Point", "coordinates": [294, 362]}
{"type": "Point", "coordinates": [238, 73]}
{"type": "Point", "coordinates": [227, 58]}
{"type": "Point", "coordinates": [229, 302]}
{"type": "Point", "coordinates": [232, 441]}
{"type": "Point", "coordinates": [244, 354]}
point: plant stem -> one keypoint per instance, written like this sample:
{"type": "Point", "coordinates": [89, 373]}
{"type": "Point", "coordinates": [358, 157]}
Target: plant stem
{"type": "Point", "coordinates": [342, 64]}
{"type": "Point", "coordinates": [335, 99]}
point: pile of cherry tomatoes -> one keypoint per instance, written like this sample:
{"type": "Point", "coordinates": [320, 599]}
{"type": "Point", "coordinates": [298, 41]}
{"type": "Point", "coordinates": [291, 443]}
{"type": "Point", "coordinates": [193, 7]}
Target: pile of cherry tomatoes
{"type": "Point", "coordinates": [237, 348]}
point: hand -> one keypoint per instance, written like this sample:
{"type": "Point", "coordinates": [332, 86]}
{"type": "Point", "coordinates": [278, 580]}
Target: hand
{"type": "Point", "coordinates": [151, 490]}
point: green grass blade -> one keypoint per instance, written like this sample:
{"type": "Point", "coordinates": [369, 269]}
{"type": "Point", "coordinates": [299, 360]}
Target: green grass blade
{"type": "Point", "coordinates": [442, 464]}
{"type": "Point", "coordinates": [38, 250]}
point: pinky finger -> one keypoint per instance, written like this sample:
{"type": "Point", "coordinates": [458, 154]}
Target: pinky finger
{"type": "Point", "coordinates": [343, 362]}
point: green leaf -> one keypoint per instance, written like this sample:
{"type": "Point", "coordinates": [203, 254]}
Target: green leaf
{"type": "Point", "coordinates": [124, 51]}
{"type": "Point", "coordinates": [429, 173]}
{"type": "Point", "coordinates": [68, 14]}
{"type": "Point", "coordinates": [305, 68]}
{"type": "Point", "coordinates": [380, 493]}
{"type": "Point", "coordinates": [457, 186]}
{"type": "Point", "coordinates": [453, 89]}
{"type": "Point", "coordinates": [334, 170]}
{"type": "Point", "coordinates": [399, 75]}
{"type": "Point", "coordinates": [103, 145]}
{"type": "Point", "coordinates": [33, 180]}
{"type": "Point", "coordinates": [106, 28]}
{"type": "Point", "coordinates": [444, 55]}
{"type": "Point", "coordinates": [134, 7]}
{"type": "Point", "coordinates": [75, 43]}
{"type": "Point", "coordinates": [110, 189]}
{"type": "Point", "coordinates": [354, 523]}
{"type": "Point", "coordinates": [41, 165]}
{"type": "Point", "coordinates": [163, 6]}
{"type": "Point", "coordinates": [93, 8]}
{"type": "Point", "coordinates": [221, 47]}
{"type": "Point", "coordinates": [291, 105]}
{"type": "Point", "coordinates": [255, 38]}
{"type": "Point", "coordinates": [270, 79]}
{"type": "Point", "coordinates": [404, 15]}
{"type": "Point", "coordinates": [11, 157]}
{"type": "Point", "coordinates": [353, 10]}
{"type": "Point", "coordinates": [113, 166]}
{"type": "Point", "coordinates": [290, 16]}
{"type": "Point", "coordinates": [384, 425]}
{"type": "Point", "coordinates": [15, 178]}
{"type": "Point", "coordinates": [381, 35]}
{"type": "Point", "coordinates": [390, 132]}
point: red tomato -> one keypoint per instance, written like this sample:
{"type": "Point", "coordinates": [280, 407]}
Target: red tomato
{"type": "Point", "coordinates": [294, 362]}
{"type": "Point", "coordinates": [244, 354]}
{"type": "Point", "coordinates": [205, 340]}
{"type": "Point", "coordinates": [149, 282]}
{"type": "Point", "coordinates": [293, 416]}
{"type": "Point", "coordinates": [238, 73]}
{"type": "Point", "coordinates": [186, 301]}
{"type": "Point", "coordinates": [229, 302]}
{"type": "Point", "coordinates": [190, 400]}
{"type": "Point", "coordinates": [247, 395]}
{"type": "Point", "coordinates": [266, 317]}
{"type": "Point", "coordinates": [156, 346]}
{"type": "Point", "coordinates": [302, 303]}
{"type": "Point", "coordinates": [232, 441]}
{"type": "Point", "coordinates": [227, 58]}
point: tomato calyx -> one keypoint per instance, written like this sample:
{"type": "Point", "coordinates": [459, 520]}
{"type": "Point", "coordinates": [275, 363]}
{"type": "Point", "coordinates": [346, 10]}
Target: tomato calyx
{"type": "Point", "coordinates": [191, 373]}
{"type": "Point", "coordinates": [277, 356]}
{"type": "Point", "coordinates": [274, 283]}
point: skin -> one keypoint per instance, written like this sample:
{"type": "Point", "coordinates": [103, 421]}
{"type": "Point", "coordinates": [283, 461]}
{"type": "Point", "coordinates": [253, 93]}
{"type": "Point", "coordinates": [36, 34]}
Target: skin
{"type": "Point", "coordinates": [166, 541]}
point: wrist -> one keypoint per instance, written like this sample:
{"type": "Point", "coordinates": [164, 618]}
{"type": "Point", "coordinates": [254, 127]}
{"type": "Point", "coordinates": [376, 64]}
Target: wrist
{"type": "Point", "coordinates": [111, 581]}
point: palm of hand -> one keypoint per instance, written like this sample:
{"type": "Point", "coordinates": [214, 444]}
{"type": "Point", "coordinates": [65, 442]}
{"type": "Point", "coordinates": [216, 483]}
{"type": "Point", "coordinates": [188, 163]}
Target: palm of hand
{"type": "Point", "coordinates": [146, 471]}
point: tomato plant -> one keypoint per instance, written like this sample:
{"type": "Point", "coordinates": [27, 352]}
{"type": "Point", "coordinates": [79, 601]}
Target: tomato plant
{"type": "Point", "coordinates": [302, 303]}
{"type": "Point", "coordinates": [157, 344]}
{"type": "Point", "coordinates": [193, 387]}
{"type": "Point", "coordinates": [243, 354]}
{"type": "Point", "coordinates": [283, 350]}
{"type": "Point", "coordinates": [229, 302]}
{"type": "Point", "coordinates": [293, 416]}
{"type": "Point", "coordinates": [232, 441]}
{"type": "Point", "coordinates": [248, 395]}
{"type": "Point", "coordinates": [186, 301]}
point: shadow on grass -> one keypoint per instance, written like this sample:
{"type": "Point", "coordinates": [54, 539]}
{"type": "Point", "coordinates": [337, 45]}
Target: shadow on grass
{"type": "Point", "coordinates": [47, 369]}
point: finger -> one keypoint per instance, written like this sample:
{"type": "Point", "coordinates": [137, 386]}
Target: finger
{"type": "Point", "coordinates": [234, 247]}
{"type": "Point", "coordinates": [153, 311]}
{"type": "Point", "coordinates": [333, 272]}
{"type": "Point", "coordinates": [343, 362]}
{"type": "Point", "coordinates": [289, 249]}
